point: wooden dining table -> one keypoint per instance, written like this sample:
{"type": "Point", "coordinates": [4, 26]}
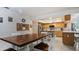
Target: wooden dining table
{"type": "Point", "coordinates": [22, 40]}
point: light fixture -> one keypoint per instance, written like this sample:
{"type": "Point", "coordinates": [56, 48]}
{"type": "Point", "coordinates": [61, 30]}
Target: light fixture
{"type": "Point", "coordinates": [23, 20]}
{"type": "Point", "coordinates": [6, 7]}
{"type": "Point", "coordinates": [23, 28]}
{"type": "Point", "coordinates": [50, 18]}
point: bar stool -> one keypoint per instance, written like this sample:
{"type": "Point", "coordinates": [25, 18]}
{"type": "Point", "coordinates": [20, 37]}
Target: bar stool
{"type": "Point", "coordinates": [76, 45]}
{"type": "Point", "coordinates": [42, 46]}
{"type": "Point", "coordinates": [76, 40]}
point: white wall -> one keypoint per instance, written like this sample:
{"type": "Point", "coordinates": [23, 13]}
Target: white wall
{"type": "Point", "coordinates": [35, 26]}
{"type": "Point", "coordinates": [28, 21]}
{"type": "Point", "coordinates": [57, 14]}
{"type": "Point", "coordinates": [8, 28]}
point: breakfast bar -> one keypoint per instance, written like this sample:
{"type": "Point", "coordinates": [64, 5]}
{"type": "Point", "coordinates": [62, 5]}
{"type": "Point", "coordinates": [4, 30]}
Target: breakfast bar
{"type": "Point", "coordinates": [22, 40]}
{"type": "Point", "coordinates": [71, 38]}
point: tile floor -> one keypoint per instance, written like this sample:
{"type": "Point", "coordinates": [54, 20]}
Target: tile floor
{"type": "Point", "coordinates": [55, 44]}
{"type": "Point", "coordinates": [59, 46]}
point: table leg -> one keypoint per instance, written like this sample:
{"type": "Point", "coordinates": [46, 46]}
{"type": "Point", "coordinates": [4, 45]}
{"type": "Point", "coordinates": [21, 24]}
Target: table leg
{"type": "Point", "coordinates": [18, 48]}
{"type": "Point", "coordinates": [77, 46]}
{"type": "Point", "coordinates": [31, 47]}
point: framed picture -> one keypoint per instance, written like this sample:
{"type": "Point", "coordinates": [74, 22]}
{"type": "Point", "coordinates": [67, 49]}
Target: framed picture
{"type": "Point", "coordinates": [1, 19]}
{"type": "Point", "coordinates": [10, 19]}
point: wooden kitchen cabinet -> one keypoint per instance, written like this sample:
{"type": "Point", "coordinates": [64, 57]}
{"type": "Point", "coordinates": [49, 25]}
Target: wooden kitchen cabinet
{"type": "Point", "coordinates": [19, 27]}
{"type": "Point", "coordinates": [68, 38]}
{"type": "Point", "coordinates": [58, 33]}
{"type": "Point", "coordinates": [67, 17]}
{"type": "Point", "coordinates": [22, 27]}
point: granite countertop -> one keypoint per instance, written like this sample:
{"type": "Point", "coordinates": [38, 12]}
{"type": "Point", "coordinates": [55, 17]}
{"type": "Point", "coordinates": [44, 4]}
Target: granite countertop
{"type": "Point", "coordinates": [48, 31]}
{"type": "Point", "coordinates": [72, 31]}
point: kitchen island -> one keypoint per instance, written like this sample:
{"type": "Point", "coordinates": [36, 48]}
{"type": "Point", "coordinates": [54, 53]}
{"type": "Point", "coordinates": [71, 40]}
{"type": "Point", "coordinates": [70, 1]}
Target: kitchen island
{"type": "Point", "coordinates": [68, 37]}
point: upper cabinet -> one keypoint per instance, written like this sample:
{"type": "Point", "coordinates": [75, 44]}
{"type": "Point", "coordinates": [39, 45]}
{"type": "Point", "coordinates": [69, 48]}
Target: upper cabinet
{"type": "Point", "coordinates": [67, 17]}
{"type": "Point", "coordinates": [22, 27]}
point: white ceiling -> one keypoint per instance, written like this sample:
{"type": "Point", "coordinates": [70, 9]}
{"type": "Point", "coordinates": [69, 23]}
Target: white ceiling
{"type": "Point", "coordinates": [38, 11]}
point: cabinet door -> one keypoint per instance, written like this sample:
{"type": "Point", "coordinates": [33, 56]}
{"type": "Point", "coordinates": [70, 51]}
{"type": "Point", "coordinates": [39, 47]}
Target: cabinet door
{"type": "Point", "coordinates": [27, 27]}
{"type": "Point", "coordinates": [19, 27]}
{"type": "Point", "coordinates": [67, 17]}
{"type": "Point", "coordinates": [58, 33]}
{"type": "Point", "coordinates": [68, 38]}
{"type": "Point", "coordinates": [22, 27]}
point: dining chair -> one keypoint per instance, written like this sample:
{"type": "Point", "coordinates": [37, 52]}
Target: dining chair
{"type": "Point", "coordinates": [41, 46]}
{"type": "Point", "coordinates": [44, 44]}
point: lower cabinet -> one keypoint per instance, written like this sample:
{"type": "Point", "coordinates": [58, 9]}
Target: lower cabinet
{"type": "Point", "coordinates": [68, 38]}
{"type": "Point", "coordinates": [58, 33]}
